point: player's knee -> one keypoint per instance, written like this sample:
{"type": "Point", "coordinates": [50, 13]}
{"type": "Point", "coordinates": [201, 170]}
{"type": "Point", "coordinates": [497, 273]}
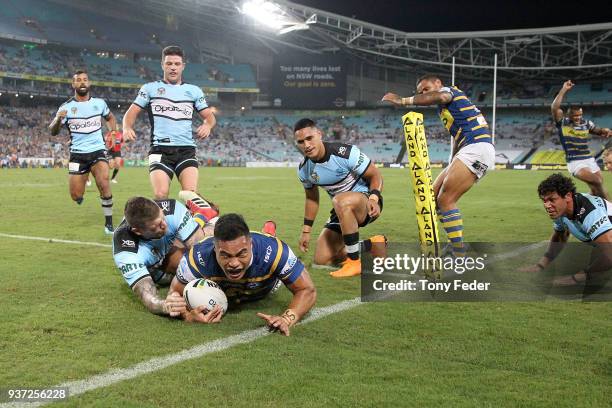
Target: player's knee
{"type": "Point", "coordinates": [160, 194]}
{"type": "Point", "coordinates": [341, 204]}
{"type": "Point", "coordinates": [446, 202]}
{"type": "Point", "coordinates": [77, 198]}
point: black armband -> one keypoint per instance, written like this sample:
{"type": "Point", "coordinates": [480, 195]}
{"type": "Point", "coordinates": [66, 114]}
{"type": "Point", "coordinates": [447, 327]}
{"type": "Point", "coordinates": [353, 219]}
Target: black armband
{"type": "Point", "coordinates": [308, 222]}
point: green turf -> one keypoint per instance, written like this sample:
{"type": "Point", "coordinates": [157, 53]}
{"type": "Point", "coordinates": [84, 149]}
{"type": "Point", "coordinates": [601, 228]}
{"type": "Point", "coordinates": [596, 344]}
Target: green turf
{"type": "Point", "coordinates": [67, 314]}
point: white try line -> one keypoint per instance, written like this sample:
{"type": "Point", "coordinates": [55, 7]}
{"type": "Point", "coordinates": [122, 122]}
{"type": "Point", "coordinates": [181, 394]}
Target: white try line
{"type": "Point", "coordinates": [159, 363]}
{"type": "Point", "coordinates": [55, 240]}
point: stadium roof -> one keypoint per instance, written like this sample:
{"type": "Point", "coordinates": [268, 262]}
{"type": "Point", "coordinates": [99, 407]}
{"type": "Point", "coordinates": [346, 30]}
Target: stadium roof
{"type": "Point", "coordinates": [578, 52]}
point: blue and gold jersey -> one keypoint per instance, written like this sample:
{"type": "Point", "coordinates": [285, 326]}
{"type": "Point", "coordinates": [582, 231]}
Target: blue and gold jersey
{"type": "Point", "coordinates": [84, 123]}
{"type": "Point", "coordinates": [591, 218]}
{"type": "Point", "coordinates": [133, 254]}
{"type": "Point", "coordinates": [575, 138]}
{"type": "Point", "coordinates": [340, 170]}
{"type": "Point", "coordinates": [170, 108]}
{"type": "Point", "coordinates": [272, 261]}
{"type": "Point", "coordinates": [463, 119]}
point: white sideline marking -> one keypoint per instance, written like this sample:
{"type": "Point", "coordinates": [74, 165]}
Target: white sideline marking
{"type": "Point", "coordinates": [159, 363]}
{"type": "Point", "coordinates": [55, 240]}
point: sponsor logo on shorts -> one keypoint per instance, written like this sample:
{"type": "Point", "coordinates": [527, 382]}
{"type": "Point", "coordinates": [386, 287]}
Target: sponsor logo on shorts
{"type": "Point", "coordinates": [342, 150]}
{"type": "Point", "coordinates": [480, 166]}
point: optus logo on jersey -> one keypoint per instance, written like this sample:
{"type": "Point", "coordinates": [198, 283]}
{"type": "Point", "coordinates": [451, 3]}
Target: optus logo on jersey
{"type": "Point", "coordinates": [78, 124]}
{"type": "Point", "coordinates": [163, 109]}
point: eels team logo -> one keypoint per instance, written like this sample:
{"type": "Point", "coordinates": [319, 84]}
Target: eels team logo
{"type": "Point", "coordinates": [73, 110]}
{"type": "Point", "coordinates": [161, 91]}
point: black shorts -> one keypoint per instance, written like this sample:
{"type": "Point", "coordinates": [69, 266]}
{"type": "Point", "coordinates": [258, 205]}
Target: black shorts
{"type": "Point", "coordinates": [81, 163]}
{"type": "Point", "coordinates": [113, 154]}
{"type": "Point", "coordinates": [172, 159]}
{"type": "Point", "coordinates": [333, 223]}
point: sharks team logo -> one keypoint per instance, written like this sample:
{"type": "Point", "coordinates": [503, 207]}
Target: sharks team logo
{"type": "Point", "coordinates": [161, 91]}
{"type": "Point", "coordinates": [73, 110]}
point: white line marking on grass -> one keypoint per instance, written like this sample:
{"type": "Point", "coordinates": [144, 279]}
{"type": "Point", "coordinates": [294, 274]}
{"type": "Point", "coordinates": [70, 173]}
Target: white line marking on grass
{"type": "Point", "coordinates": [55, 240]}
{"type": "Point", "coordinates": [159, 363]}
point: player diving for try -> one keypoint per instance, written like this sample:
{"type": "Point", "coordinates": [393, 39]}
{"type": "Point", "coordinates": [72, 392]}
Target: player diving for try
{"type": "Point", "coordinates": [354, 184]}
{"type": "Point", "coordinates": [148, 245]}
{"type": "Point", "coordinates": [170, 104]}
{"type": "Point", "coordinates": [585, 216]}
{"type": "Point", "coordinates": [82, 115]}
{"type": "Point", "coordinates": [472, 151]}
{"type": "Point", "coordinates": [248, 266]}
{"type": "Point", "coordinates": [574, 132]}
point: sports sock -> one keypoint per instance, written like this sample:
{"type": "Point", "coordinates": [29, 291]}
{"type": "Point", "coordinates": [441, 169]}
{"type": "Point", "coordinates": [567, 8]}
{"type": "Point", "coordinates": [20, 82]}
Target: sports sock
{"type": "Point", "coordinates": [115, 171]}
{"type": "Point", "coordinates": [453, 225]}
{"type": "Point", "coordinates": [351, 242]}
{"type": "Point", "coordinates": [107, 209]}
{"type": "Point", "coordinates": [366, 245]}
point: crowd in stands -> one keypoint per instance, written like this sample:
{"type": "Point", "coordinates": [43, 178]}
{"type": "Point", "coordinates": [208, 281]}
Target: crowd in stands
{"type": "Point", "coordinates": [241, 137]}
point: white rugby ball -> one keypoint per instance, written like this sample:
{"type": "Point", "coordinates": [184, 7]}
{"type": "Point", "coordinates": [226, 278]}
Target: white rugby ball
{"type": "Point", "coordinates": [204, 292]}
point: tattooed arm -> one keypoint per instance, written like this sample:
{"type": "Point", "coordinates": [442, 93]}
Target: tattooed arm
{"type": "Point", "coordinates": [146, 291]}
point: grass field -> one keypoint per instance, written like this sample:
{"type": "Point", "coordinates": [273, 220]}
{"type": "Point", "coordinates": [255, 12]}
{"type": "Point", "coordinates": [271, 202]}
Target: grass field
{"type": "Point", "coordinates": [68, 315]}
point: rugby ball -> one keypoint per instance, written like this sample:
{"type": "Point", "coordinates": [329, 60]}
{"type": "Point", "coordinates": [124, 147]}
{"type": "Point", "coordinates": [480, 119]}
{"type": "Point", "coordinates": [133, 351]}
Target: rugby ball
{"type": "Point", "coordinates": [204, 292]}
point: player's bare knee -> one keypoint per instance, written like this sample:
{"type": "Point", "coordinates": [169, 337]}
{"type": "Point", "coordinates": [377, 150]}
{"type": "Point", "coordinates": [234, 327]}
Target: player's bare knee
{"type": "Point", "coordinates": [160, 194]}
{"type": "Point", "coordinates": [342, 205]}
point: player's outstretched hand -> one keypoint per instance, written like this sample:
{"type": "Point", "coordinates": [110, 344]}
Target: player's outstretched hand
{"type": "Point", "coordinates": [129, 135]}
{"type": "Point", "coordinates": [197, 315]}
{"type": "Point", "coordinates": [567, 85]}
{"type": "Point", "coordinates": [275, 323]}
{"type": "Point", "coordinates": [393, 98]}
{"type": "Point", "coordinates": [606, 132]}
{"type": "Point", "coordinates": [203, 131]}
{"type": "Point", "coordinates": [175, 304]}
{"type": "Point", "coordinates": [304, 240]}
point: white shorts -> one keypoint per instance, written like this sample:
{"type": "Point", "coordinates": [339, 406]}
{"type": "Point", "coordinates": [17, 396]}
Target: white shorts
{"type": "Point", "coordinates": [576, 165]}
{"type": "Point", "coordinates": [478, 157]}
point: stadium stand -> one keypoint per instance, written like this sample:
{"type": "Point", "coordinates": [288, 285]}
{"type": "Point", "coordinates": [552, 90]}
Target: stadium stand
{"type": "Point", "coordinates": [267, 135]}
